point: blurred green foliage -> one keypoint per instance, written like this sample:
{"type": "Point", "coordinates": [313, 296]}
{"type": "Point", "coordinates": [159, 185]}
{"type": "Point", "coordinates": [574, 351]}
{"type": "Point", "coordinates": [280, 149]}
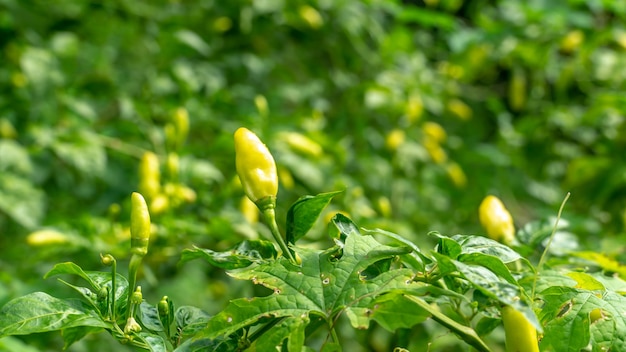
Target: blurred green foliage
{"type": "Point", "coordinates": [418, 109]}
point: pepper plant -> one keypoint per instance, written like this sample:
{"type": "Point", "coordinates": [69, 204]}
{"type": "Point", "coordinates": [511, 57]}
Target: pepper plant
{"type": "Point", "coordinates": [469, 284]}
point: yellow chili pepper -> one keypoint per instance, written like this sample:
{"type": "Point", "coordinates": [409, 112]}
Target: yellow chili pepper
{"type": "Point", "coordinates": [520, 334]}
{"type": "Point", "coordinates": [139, 225]}
{"type": "Point", "coordinates": [149, 175]}
{"type": "Point", "coordinates": [496, 220]}
{"type": "Point", "coordinates": [255, 166]}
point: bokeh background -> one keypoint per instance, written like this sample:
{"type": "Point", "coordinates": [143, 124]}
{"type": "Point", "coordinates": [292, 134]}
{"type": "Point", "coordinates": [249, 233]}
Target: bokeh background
{"type": "Point", "coordinates": [417, 109]}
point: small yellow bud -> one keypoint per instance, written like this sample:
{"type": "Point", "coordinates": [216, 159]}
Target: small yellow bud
{"type": "Point", "coordinates": [384, 206]}
{"type": "Point", "coordinates": [437, 154]}
{"type": "Point", "coordinates": [414, 108]}
{"type": "Point", "coordinates": [261, 105]}
{"type": "Point", "coordinates": [434, 132]}
{"type": "Point", "coordinates": [311, 16]}
{"type": "Point", "coordinates": [181, 125]}
{"type": "Point", "coordinates": [395, 138]}
{"type": "Point", "coordinates": [460, 109]}
{"type": "Point", "coordinates": [572, 41]}
{"type": "Point", "coordinates": [456, 174]}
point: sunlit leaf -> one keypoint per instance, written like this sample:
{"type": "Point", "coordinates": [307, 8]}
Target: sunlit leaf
{"type": "Point", "coordinates": [40, 312]}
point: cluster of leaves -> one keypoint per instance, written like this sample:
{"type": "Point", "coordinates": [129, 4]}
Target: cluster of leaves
{"type": "Point", "coordinates": [367, 276]}
{"type": "Point", "coordinates": [531, 91]}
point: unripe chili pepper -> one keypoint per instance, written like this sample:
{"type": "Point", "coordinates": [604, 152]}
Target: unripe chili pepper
{"type": "Point", "coordinates": [414, 107]}
{"type": "Point", "coordinates": [173, 166]}
{"type": "Point", "coordinates": [46, 238]}
{"type": "Point", "coordinates": [302, 144]}
{"type": "Point", "coordinates": [164, 307]}
{"type": "Point", "coordinates": [139, 225]}
{"type": "Point", "coordinates": [137, 296]}
{"type": "Point", "coordinates": [517, 90]}
{"type": "Point", "coordinates": [434, 132]}
{"type": "Point", "coordinates": [261, 105]}
{"type": "Point", "coordinates": [255, 166]}
{"type": "Point", "coordinates": [181, 121]}
{"type": "Point", "coordinates": [149, 175]}
{"type": "Point", "coordinates": [520, 334]}
{"type": "Point", "coordinates": [257, 172]}
{"type": "Point", "coordinates": [496, 220]}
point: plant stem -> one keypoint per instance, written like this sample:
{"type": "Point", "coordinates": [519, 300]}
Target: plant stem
{"type": "Point", "coordinates": [545, 251]}
{"type": "Point", "coordinates": [133, 266]}
{"type": "Point", "coordinates": [113, 289]}
{"type": "Point", "coordinates": [466, 333]}
{"type": "Point", "coordinates": [269, 215]}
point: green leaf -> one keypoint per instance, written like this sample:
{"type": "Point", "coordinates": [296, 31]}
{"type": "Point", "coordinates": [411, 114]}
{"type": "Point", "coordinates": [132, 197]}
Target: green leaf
{"type": "Point", "coordinates": [149, 317]}
{"type": "Point", "coordinates": [345, 226]}
{"type": "Point", "coordinates": [83, 151]}
{"type": "Point", "coordinates": [291, 328]}
{"type": "Point", "coordinates": [71, 335]}
{"type": "Point", "coordinates": [96, 280]}
{"type": "Point", "coordinates": [547, 279]}
{"type": "Point", "coordinates": [89, 296]}
{"type": "Point", "coordinates": [484, 245]}
{"type": "Point", "coordinates": [202, 345]}
{"type": "Point", "coordinates": [486, 325]}
{"type": "Point", "coordinates": [567, 325]}
{"type": "Point", "coordinates": [40, 312]}
{"type": "Point", "coordinates": [155, 342]}
{"type": "Point", "coordinates": [190, 320]}
{"type": "Point", "coordinates": [13, 344]}
{"type": "Point", "coordinates": [324, 285]}
{"type": "Point", "coordinates": [304, 212]}
{"type": "Point", "coordinates": [586, 281]}
{"type": "Point", "coordinates": [488, 261]}
{"type": "Point", "coordinates": [244, 254]}
{"type": "Point", "coordinates": [20, 200]}
{"type": "Point", "coordinates": [73, 269]}
{"type": "Point", "coordinates": [394, 311]}
{"type": "Point", "coordinates": [426, 17]}
{"type": "Point", "coordinates": [489, 283]}
{"type": "Point", "coordinates": [448, 247]}
{"type": "Point", "coordinates": [417, 258]}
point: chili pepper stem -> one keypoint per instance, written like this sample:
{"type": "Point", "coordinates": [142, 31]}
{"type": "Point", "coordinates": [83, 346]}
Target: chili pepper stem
{"type": "Point", "coordinates": [267, 206]}
{"type": "Point", "coordinates": [111, 294]}
{"type": "Point", "coordinates": [133, 266]}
